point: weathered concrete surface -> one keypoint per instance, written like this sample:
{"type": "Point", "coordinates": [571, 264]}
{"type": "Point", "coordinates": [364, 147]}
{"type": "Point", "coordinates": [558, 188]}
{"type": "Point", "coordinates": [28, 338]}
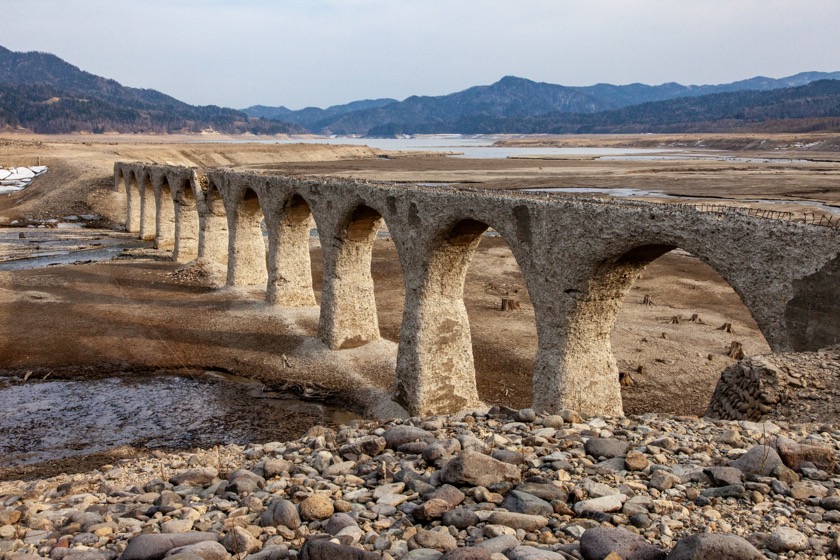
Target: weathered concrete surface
{"type": "Point", "coordinates": [578, 258]}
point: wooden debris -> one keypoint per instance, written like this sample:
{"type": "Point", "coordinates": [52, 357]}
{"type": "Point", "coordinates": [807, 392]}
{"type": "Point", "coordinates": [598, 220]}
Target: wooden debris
{"type": "Point", "coordinates": [726, 327]}
{"type": "Point", "coordinates": [665, 336]}
{"type": "Point", "coordinates": [641, 370]}
{"type": "Point", "coordinates": [675, 320]}
{"type": "Point", "coordinates": [695, 318]}
{"type": "Point", "coordinates": [625, 380]}
{"type": "Point", "coordinates": [647, 300]}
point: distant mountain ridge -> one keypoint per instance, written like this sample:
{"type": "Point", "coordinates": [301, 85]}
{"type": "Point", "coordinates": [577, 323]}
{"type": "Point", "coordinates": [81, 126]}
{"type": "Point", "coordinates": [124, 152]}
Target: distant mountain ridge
{"type": "Point", "coordinates": [43, 93]}
{"type": "Point", "coordinates": [518, 97]}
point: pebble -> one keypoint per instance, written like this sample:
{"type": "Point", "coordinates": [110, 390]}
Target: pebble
{"type": "Point", "coordinates": [504, 485]}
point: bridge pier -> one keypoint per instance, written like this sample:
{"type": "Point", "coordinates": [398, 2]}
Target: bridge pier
{"type": "Point", "coordinates": [289, 263]}
{"type": "Point", "coordinates": [247, 249]}
{"type": "Point", "coordinates": [187, 223]}
{"type": "Point", "coordinates": [148, 205]}
{"type": "Point", "coordinates": [132, 202]}
{"type": "Point", "coordinates": [164, 216]}
{"type": "Point", "coordinates": [348, 306]}
{"type": "Point", "coordinates": [213, 235]}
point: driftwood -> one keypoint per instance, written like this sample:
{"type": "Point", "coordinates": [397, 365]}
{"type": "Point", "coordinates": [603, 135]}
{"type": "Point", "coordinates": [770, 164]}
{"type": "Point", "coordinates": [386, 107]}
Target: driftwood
{"type": "Point", "coordinates": [625, 379]}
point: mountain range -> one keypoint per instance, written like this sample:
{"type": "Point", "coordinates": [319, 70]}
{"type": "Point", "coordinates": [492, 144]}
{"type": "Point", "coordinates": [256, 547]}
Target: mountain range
{"type": "Point", "coordinates": [45, 94]}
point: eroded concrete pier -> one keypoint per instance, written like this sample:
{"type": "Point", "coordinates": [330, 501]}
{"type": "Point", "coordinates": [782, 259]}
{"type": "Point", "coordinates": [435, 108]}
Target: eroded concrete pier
{"type": "Point", "coordinates": [578, 259]}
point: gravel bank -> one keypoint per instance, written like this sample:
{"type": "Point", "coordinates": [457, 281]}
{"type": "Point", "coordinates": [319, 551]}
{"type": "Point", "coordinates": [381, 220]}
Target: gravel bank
{"type": "Point", "coordinates": [505, 485]}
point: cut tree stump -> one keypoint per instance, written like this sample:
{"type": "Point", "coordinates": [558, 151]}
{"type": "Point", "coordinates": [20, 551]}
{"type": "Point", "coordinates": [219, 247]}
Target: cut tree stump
{"type": "Point", "coordinates": [726, 327]}
{"type": "Point", "coordinates": [625, 380]}
{"type": "Point", "coordinates": [675, 320]}
{"type": "Point", "coordinates": [736, 350]}
{"type": "Point", "coordinates": [696, 319]}
{"type": "Point", "coordinates": [509, 304]}
{"type": "Point", "coordinates": [647, 300]}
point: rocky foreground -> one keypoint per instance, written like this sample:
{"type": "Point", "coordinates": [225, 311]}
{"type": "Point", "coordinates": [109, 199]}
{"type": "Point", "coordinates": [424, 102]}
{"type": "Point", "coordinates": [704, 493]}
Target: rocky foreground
{"type": "Point", "coordinates": [505, 485]}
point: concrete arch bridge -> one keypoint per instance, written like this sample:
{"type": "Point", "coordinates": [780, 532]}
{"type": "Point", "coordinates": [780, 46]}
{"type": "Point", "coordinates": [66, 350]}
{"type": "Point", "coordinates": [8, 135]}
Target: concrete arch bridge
{"type": "Point", "coordinates": [578, 259]}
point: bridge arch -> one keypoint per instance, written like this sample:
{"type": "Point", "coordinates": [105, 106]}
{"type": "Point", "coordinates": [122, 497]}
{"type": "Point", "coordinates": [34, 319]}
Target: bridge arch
{"type": "Point", "coordinates": [348, 304]}
{"type": "Point", "coordinates": [435, 366]}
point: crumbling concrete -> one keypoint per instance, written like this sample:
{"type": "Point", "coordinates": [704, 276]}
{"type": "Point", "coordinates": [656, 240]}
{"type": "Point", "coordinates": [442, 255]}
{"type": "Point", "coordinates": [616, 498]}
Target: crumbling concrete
{"type": "Point", "coordinates": [578, 258]}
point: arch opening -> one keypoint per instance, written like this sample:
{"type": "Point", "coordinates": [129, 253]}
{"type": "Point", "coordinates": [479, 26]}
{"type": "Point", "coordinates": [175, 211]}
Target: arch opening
{"type": "Point", "coordinates": [669, 324]}
{"type": "Point", "coordinates": [187, 223]}
{"type": "Point", "coordinates": [349, 317]}
{"type": "Point", "coordinates": [468, 349]}
{"type": "Point", "coordinates": [165, 217]}
{"type": "Point", "coordinates": [289, 261]}
{"type": "Point", "coordinates": [248, 245]}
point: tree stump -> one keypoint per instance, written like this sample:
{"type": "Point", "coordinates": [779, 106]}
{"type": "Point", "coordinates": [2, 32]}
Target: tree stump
{"type": "Point", "coordinates": [736, 350]}
{"type": "Point", "coordinates": [696, 319]}
{"type": "Point", "coordinates": [647, 300]}
{"type": "Point", "coordinates": [726, 327]}
{"type": "Point", "coordinates": [675, 320]}
{"type": "Point", "coordinates": [509, 304]}
{"type": "Point", "coordinates": [665, 336]}
{"type": "Point", "coordinates": [625, 380]}
{"type": "Point", "coordinates": [641, 370]}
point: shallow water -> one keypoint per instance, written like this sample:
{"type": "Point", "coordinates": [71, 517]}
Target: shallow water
{"type": "Point", "coordinates": [41, 247]}
{"type": "Point", "coordinates": [45, 420]}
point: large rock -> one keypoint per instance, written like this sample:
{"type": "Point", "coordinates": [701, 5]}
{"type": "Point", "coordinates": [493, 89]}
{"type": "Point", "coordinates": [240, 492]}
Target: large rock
{"type": "Point", "coordinates": [238, 540]}
{"type": "Point", "coordinates": [604, 504]}
{"type": "Point", "coordinates": [154, 546]}
{"type": "Point", "coordinates": [396, 436]}
{"type": "Point", "coordinates": [523, 502]}
{"type": "Point", "coordinates": [606, 447]}
{"type": "Point", "coordinates": [476, 469]}
{"type": "Point", "coordinates": [787, 539]}
{"type": "Point", "coordinates": [281, 512]}
{"type": "Point", "coordinates": [793, 454]}
{"type": "Point", "coordinates": [524, 552]}
{"type": "Point", "coordinates": [316, 507]}
{"type": "Point", "coordinates": [324, 549]}
{"type": "Point", "coordinates": [518, 520]}
{"type": "Point", "coordinates": [467, 553]}
{"type": "Point", "coordinates": [196, 477]}
{"type": "Point", "coordinates": [546, 492]}
{"type": "Point", "coordinates": [206, 550]}
{"type": "Point", "coordinates": [598, 542]}
{"type": "Point", "coordinates": [714, 546]}
{"type": "Point", "coordinates": [761, 459]}
{"type": "Point", "coordinates": [437, 539]}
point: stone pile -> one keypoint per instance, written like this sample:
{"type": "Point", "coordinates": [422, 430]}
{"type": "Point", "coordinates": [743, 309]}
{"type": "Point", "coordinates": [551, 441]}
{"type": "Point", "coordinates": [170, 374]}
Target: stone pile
{"type": "Point", "coordinates": [798, 387]}
{"type": "Point", "coordinates": [503, 485]}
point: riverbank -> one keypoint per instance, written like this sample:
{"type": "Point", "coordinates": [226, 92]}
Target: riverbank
{"type": "Point", "coordinates": [509, 484]}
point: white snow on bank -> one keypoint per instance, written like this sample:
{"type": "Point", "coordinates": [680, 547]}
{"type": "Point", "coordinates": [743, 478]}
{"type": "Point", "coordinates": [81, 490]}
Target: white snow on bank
{"type": "Point", "coordinates": [16, 179]}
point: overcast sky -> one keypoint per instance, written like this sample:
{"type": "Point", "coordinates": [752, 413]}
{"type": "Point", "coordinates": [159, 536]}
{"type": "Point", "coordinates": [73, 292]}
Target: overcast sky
{"type": "Point", "coordinates": [302, 53]}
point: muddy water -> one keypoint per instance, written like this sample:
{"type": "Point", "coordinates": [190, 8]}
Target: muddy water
{"type": "Point", "coordinates": [49, 420]}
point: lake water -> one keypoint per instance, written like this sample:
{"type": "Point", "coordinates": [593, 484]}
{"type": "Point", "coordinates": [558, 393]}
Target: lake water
{"type": "Point", "coordinates": [475, 148]}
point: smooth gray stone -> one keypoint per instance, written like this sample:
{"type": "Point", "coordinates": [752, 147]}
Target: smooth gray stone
{"type": "Point", "coordinates": [714, 546]}
{"type": "Point", "coordinates": [154, 546]}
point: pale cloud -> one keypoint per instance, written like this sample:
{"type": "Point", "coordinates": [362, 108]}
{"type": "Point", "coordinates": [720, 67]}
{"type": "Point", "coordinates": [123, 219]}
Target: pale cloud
{"type": "Point", "coordinates": [322, 52]}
